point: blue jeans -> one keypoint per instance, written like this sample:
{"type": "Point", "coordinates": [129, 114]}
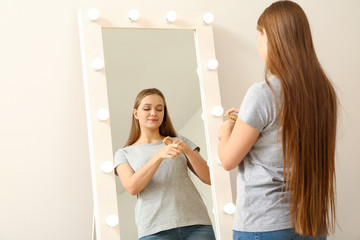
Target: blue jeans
{"type": "Point", "coordinates": [193, 232]}
{"type": "Point", "coordinates": [286, 234]}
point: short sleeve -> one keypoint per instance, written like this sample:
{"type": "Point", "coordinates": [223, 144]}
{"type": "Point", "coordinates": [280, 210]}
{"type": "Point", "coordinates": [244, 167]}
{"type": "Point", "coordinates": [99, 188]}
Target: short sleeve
{"type": "Point", "coordinates": [192, 145]}
{"type": "Point", "coordinates": [255, 109]}
{"type": "Point", "coordinates": [120, 157]}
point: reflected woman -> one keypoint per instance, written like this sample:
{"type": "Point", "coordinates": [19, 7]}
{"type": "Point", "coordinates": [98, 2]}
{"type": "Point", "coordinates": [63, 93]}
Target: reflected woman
{"type": "Point", "coordinates": [283, 142]}
{"type": "Point", "coordinates": [155, 168]}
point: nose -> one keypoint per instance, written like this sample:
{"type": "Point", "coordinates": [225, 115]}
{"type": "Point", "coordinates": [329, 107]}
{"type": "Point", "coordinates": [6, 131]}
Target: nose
{"type": "Point", "coordinates": [153, 112]}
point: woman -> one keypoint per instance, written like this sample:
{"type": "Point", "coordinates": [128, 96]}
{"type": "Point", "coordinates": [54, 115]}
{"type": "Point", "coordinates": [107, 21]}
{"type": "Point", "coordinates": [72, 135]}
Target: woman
{"type": "Point", "coordinates": [283, 141]}
{"type": "Point", "coordinates": [155, 168]}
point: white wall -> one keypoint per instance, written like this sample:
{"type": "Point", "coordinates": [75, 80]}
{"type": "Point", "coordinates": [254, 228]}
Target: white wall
{"type": "Point", "coordinates": [45, 184]}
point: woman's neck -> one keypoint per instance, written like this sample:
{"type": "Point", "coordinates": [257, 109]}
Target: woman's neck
{"type": "Point", "coordinates": [149, 136]}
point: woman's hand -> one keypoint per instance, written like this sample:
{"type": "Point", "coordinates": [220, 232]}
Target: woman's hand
{"type": "Point", "coordinates": [195, 162]}
{"type": "Point", "coordinates": [181, 144]}
{"type": "Point", "coordinates": [227, 126]}
{"type": "Point", "coordinates": [171, 151]}
{"type": "Point", "coordinates": [232, 110]}
{"type": "Point", "coordinates": [232, 114]}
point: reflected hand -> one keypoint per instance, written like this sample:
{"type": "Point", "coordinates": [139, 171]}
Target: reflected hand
{"type": "Point", "coordinates": [181, 144]}
{"type": "Point", "coordinates": [172, 150]}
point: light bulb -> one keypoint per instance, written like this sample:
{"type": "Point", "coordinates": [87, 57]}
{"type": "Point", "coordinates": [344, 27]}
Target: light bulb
{"type": "Point", "coordinates": [217, 111]}
{"type": "Point", "coordinates": [112, 220]}
{"type": "Point", "coordinates": [93, 14]}
{"type": "Point", "coordinates": [212, 64]}
{"type": "Point", "coordinates": [133, 14]}
{"type": "Point", "coordinates": [208, 18]}
{"type": "Point", "coordinates": [229, 208]}
{"type": "Point", "coordinates": [171, 16]}
{"type": "Point", "coordinates": [103, 114]}
{"type": "Point", "coordinates": [107, 166]}
{"type": "Point", "coordinates": [98, 64]}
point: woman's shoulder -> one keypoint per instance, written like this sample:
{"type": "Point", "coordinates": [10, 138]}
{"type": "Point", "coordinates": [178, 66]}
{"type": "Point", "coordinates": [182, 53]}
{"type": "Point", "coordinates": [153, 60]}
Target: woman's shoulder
{"type": "Point", "coordinates": [273, 81]}
{"type": "Point", "coordinates": [258, 90]}
{"type": "Point", "coordinates": [119, 151]}
{"type": "Point", "coordinates": [265, 89]}
{"type": "Point", "coordinates": [123, 150]}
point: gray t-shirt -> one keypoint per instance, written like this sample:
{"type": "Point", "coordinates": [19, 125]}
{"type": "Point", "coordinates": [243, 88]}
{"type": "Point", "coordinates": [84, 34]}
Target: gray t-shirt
{"type": "Point", "coordinates": [170, 199]}
{"type": "Point", "coordinates": [261, 204]}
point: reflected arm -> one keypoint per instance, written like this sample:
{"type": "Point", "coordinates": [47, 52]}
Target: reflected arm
{"type": "Point", "coordinates": [135, 182]}
{"type": "Point", "coordinates": [236, 140]}
{"type": "Point", "coordinates": [197, 165]}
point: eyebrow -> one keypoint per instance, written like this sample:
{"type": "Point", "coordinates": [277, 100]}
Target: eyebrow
{"type": "Point", "coordinates": [151, 104]}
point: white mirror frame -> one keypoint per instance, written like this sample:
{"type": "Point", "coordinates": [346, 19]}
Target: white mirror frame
{"type": "Point", "coordinates": [99, 132]}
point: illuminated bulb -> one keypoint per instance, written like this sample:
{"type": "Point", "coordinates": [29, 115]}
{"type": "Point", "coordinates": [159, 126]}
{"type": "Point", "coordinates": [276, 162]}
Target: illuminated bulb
{"type": "Point", "coordinates": [93, 14]}
{"type": "Point", "coordinates": [212, 64]}
{"type": "Point", "coordinates": [112, 220]}
{"type": "Point", "coordinates": [98, 64]}
{"type": "Point", "coordinates": [208, 18]}
{"type": "Point", "coordinates": [133, 14]}
{"type": "Point", "coordinates": [107, 166]}
{"type": "Point", "coordinates": [103, 114]}
{"type": "Point", "coordinates": [229, 208]}
{"type": "Point", "coordinates": [171, 16]}
{"type": "Point", "coordinates": [217, 111]}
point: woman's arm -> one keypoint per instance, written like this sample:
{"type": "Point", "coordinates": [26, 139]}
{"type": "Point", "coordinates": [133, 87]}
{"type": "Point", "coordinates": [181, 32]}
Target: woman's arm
{"type": "Point", "coordinates": [236, 140]}
{"type": "Point", "coordinates": [135, 182]}
{"type": "Point", "coordinates": [197, 165]}
{"type": "Point", "coordinates": [195, 162]}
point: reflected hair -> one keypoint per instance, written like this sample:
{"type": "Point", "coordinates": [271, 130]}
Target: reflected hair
{"type": "Point", "coordinates": [308, 118]}
{"type": "Point", "coordinates": [166, 128]}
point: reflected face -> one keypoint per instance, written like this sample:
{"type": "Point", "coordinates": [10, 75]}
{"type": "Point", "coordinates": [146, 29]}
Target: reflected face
{"type": "Point", "coordinates": [262, 44]}
{"type": "Point", "coordinates": [150, 112]}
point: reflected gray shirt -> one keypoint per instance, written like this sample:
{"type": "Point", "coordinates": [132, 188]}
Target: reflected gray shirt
{"type": "Point", "coordinates": [261, 204]}
{"type": "Point", "coordinates": [170, 199]}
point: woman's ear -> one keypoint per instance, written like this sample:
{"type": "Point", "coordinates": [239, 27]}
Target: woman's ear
{"type": "Point", "coordinates": [135, 113]}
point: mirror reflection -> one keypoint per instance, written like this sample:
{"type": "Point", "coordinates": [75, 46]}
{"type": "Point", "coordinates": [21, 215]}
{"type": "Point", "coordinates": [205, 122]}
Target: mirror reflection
{"type": "Point", "coordinates": [138, 59]}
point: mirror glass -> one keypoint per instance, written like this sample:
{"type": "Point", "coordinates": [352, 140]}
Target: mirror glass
{"type": "Point", "coordinates": [136, 59]}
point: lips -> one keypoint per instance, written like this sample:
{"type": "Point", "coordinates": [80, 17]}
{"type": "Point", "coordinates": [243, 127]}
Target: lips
{"type": "Point", "coordinates": [153, 120]}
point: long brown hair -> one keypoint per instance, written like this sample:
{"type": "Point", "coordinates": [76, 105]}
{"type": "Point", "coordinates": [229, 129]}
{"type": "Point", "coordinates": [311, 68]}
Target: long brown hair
{"type": "Point", "coordinates": [166, 128]}
{"type": "Point", "coordinates": [308, 118]}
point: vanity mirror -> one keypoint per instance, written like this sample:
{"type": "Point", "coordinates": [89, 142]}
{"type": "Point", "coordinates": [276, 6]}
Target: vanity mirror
{"type": "Point", "coordinates": [124, 52]}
